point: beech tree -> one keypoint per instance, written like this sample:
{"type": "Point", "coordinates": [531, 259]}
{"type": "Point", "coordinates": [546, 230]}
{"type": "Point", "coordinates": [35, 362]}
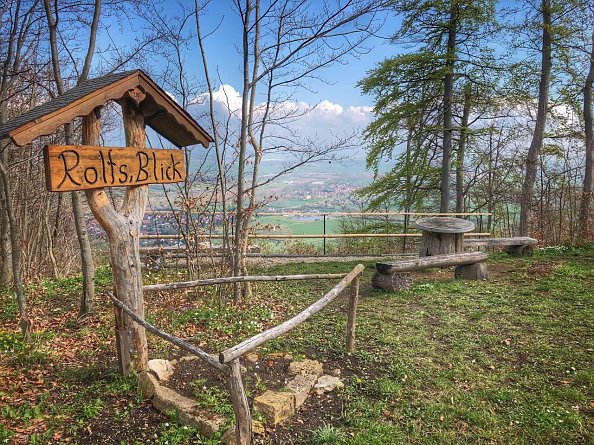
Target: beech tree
{"type": "Point", "coordinates": [88, 268]}
{"type": "Point", "coordinates": [541, 118]}
{"type": "Point", "coordinates": [587, 191]}
{"type": "Point", "coordinates": [19, 34]}
{"type": "Point", "coordinates": [282, 43]}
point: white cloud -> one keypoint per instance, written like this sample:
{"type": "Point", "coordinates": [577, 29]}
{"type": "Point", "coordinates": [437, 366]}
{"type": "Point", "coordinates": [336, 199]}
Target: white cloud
{"type": "Point", "coordinates": [225, 95]}
{"type": "Point", "coordinates": [329, 107]}
{"type": "Point", "coordinates": [323, 121]}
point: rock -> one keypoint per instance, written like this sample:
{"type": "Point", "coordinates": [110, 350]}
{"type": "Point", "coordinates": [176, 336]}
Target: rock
{"type": "Point", "coordinates": [327, 383]}
{"type": "Point", "coordinates": [229, 438]}
{"type": "Point", "coordinates": [306, 366]}
{"type": "Point", "coordinates": [163, 369]}
{"type": "Point", "coordinates": [189, 358]}
{"type": "Point", "coordinates": [251, 357]}
{"type": "Point", "coordinates": [335, 372]}
{"type": "Point", "coordinates": [300, 387]}
{"type": "Point", "coordinates": [166, 399]}
{"type": "Point", "coordinates": [275, 406]}
{"type": "Point", "coordinates": [258, 428]}
{"type": "Point", "coordinates": [243, 369]}
{"type": "Point", "coordinates": [204, 421]}
{"type": "Point", "coordinates": [147, 383]}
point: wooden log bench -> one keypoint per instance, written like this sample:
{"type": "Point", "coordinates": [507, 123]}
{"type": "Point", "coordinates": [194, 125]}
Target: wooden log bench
{"type": "Point", "coordinates": [396, 276]}
{"type": "Point", "coordinates": [518, 246]}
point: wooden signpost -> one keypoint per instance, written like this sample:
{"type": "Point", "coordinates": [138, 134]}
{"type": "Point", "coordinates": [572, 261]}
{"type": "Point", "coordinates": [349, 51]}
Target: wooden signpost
{"type": "Point", "coordinates": [92, 168]}
{"type": "Point", "coordinates": [81, 167]}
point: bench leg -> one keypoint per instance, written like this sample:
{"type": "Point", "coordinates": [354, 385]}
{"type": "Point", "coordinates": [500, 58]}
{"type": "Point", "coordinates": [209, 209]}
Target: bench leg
{"type": "Point", "coordinates": [391, 283]}
{"type": "Point", "coordinates": [476, 271]}
{"type": "Point", "coordinates": [520, 250]}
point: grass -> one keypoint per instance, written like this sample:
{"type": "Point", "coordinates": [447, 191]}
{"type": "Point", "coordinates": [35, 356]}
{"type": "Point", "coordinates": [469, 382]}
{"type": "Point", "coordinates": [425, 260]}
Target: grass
{"type": "Point", "coordinates": [506, 361]}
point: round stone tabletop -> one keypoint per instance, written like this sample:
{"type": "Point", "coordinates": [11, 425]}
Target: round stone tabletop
{"type": "Point", "coordinates": [440, 224]}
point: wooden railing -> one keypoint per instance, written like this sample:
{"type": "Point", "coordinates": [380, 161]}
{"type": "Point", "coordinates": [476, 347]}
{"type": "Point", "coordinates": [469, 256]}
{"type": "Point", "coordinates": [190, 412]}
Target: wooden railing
{"type": "Point", "coordinates": [323, 235]}
{"type": "Point", "coordinates": [228, 360]}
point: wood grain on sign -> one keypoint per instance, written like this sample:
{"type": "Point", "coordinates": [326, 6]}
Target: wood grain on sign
{"type": "Point", "coordinates": [80, 167]}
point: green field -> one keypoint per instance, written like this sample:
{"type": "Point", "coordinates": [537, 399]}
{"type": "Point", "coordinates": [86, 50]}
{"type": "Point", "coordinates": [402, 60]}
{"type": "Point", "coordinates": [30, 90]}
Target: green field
{"type": "Point", "coordinates": [290, 225]}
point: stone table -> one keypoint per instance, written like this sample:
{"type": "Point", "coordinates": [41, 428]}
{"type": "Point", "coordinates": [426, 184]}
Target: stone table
{"type": "Point", "coordinates": [442, 235]}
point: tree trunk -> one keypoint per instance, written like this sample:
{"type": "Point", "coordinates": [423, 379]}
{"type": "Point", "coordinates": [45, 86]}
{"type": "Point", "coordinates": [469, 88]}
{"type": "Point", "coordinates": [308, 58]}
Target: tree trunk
{"type": "Point", "coordinates": [87, 299]}
{"type": "Point", "coordinates": [239, 216]}
{"type": "Point", "coordinates": [24, 322]}
{"type": "Point", "coordinates": [123, 230]}
{"type": "Point", "coordinates": [5, 252]}
{"type": "Point", "coordinates": [448, 91]}
{"type": "Point", "coordinates": [462, 150]}
{"type": "Point", "coordinates": [541, 119]}
{"type": "Point", "coordinates": [88, 268]}
{"type": "Point", "coordinates": [586, 203]}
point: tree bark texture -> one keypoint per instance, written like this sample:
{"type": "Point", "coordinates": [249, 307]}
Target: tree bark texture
{"type": "Point", "coordinates": [87, 266]}
{"type": "Point", "coordinates": [239, 215]}
{"type": "Point", "coordinates": [24, 321]}
{"type": "Point", "coordinates": [434, 243]}
{"type": "Point", "coordinates": [452, 259]}
{"type": "Point", "coordinates": [392, 282]}
{"type": "Point", "coordinates": [241, 408]}
{"type": "Point", "coordinates": [5, 251]}
{"type": "Point", "coordinates": [541, 120]}
{"type": "Point", "coordinates": [448, 92]}
{"type": "Point", "coordinates": [462, 149]}
{"type": "Point", "coordinates": [586, 203]}
{"type": "Point", "coordinates": [352, 315]}
{"type": "Point", "coordinates": [123, 229]}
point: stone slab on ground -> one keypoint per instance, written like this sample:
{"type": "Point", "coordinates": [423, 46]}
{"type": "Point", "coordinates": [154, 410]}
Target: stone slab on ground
{"type": "Point", "coordinates": [147, 383]}
{"type": "Point", "coordinates": [163, 369]}
{"type": "Point", "coordinates": [167, 400]}
{"type": "Point", "coordinates": [300, 386]}
{"type": "Point", "coordinates": [306, 366]}
{"type": "Point", "coordinates": [207, 423]}
{"type": "Point", "coordinates": [276, 406]}
{"type": "Point", "coordinates": [327, 383]}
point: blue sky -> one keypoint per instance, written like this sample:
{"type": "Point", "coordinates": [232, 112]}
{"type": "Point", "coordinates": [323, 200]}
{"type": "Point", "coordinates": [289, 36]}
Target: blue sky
{"type": "Point", "coordinates": [221, 18]}
{"type": "Point", "coordinates": [340, 108]}
{"type": "Point", "coordinates": [341, 79]}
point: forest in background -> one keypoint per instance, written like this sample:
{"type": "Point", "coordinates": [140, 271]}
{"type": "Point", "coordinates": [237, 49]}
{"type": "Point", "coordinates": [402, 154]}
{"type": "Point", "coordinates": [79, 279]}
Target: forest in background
{"type": "Point", "coordinates": [485, 107]}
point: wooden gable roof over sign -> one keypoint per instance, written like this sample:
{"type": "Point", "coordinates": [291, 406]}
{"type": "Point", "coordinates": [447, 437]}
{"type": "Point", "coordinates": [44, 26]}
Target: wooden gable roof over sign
{"type": "Point", "coordinates": [161, 112]}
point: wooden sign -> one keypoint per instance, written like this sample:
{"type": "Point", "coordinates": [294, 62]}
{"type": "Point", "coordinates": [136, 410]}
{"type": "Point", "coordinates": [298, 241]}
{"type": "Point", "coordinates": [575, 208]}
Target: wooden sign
{"type": "Point", "coordinates": [79, 167]}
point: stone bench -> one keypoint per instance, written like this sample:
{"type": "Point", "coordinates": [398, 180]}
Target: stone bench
{"type": "Point", "coordinates": [517, 246]}
{"type": "Point", "coordinates": [396, 276]}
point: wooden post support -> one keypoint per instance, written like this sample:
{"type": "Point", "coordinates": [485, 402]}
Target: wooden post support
{"type": "Point", "coordinates": [392, 282]}
{"type": "Point", "coordinates": [123, 342]}
{"type": "Point", "coordinates": [243, 417]}
{"type": "Point", "coordinates": [352, 317]}
{"type": "Point", "coordinates": [123, 228]}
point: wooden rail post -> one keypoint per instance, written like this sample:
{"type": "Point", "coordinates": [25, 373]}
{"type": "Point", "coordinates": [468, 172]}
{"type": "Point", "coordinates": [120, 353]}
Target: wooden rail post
{"type": "Point", "coordinates": [352, 316]}
{"type": "Point", "coordinates": [243, 417]}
